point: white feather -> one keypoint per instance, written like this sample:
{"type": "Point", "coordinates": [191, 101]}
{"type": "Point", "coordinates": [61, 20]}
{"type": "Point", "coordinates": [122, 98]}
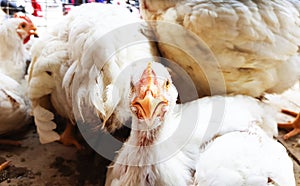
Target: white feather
{"type": "Point", "coordinates": [253, 44]}
{"type": "Point", "coordinates": [85, 54]}
{"type": "Point", "coordinates": [244, 158]}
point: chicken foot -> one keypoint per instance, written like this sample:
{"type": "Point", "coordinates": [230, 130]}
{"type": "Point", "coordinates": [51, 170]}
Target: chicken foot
{"type": "Point", "coordinates": [4, 165]}
{"type": "Point", "coordinates": [295, 125]}
{"type": "Point", "coordinates": [67, 137]}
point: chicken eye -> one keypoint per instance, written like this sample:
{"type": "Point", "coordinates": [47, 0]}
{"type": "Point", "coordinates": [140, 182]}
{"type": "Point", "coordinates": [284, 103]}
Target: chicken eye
{"type": "Point", "coordinates": [23, 25]}
{"type": "Point", "coordinates": [167, 84]}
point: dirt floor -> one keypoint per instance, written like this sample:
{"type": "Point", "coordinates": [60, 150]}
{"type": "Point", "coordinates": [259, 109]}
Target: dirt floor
{"type": "Point", "coordinates": [51, 164]}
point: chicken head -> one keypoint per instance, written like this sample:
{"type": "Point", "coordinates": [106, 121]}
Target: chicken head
{"type": "Point", "coordinates": [26, 28]}
{"type": "Point", "coordinates": [153, 95]}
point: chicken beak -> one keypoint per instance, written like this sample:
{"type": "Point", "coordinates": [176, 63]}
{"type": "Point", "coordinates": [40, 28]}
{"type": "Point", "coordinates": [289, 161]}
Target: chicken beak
{"type": "Point", "coordinates": [36, 35]}
{"type": "Point", "coordinates": [34, 32]}
{"type": "Point", "coordinates": [148, 107]}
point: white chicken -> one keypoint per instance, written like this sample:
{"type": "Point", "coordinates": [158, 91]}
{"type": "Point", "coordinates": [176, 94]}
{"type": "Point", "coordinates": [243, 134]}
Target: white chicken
{"type": "Point", "coordinates": [15, 33]}
{"type": "Point", "coordinates": [14, 105]}
{"type": "Point", "coordinates": [46, 71]}
{"type": "Point", "coordinates": [256, 43]}
{"type": "Point", "coordinates": [80, 60]}
{"type": "Point", "coordinates": [167, 140]}
{"type": "Point", "coordinates": [244, 158]}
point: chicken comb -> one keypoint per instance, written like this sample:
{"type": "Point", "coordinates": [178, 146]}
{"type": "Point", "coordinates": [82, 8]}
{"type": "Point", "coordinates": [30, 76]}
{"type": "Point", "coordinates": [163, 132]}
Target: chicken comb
{"type": "Point", "coordinates": [148, 73]}
{"type": "Point", "coordinates": [23, 16]}
{"type": "Point", "coordinates": [149, 69]}
{"type": "Point", "coordinates": [148, 77]}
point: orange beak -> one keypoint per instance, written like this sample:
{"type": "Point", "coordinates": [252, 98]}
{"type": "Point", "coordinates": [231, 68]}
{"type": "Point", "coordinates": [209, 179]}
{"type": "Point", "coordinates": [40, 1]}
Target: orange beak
{"type": "Point", "coordinates": [149, 102]}
{"type": "Point", "coordinates": [33, 31]}
{"type": "Point", "coordinates": [149, 106]}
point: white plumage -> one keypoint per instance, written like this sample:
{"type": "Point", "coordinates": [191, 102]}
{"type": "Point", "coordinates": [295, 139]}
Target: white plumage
{"type": "Point", "coordinates": [14, 105]}
{"type": "Point", "coordinates": [212, 131]}
{"type": "Point", "coordinates": [244, 158]}
{"type": "Point", "coordinates": [255, 43]}
{"type": "Point", "coordinates": [80, 60]}
{"type": "Point", "coordinates": [13, 54]}
{"type": "Point", "coordinates": [84, 63]}
{"type": "Point", "coordinates": [45, 90]}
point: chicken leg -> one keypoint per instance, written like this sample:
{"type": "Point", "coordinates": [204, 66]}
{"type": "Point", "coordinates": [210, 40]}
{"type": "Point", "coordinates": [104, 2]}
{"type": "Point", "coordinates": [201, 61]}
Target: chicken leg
{"type": "Point", "coordinates": [295, 125]}
{"type": "Point", "coordinates": [67, 137]}
{"type": "Point", "coordinates": [4, 165]}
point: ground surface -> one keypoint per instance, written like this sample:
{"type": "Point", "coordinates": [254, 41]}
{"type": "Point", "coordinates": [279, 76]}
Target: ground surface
{"type": "Point", "coordinates": [51, 164]}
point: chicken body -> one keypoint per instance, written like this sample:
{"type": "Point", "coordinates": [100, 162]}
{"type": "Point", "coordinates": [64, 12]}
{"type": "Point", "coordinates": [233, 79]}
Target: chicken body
{"type": "Point", "coordinates": [80, 60]}
{"type": "Point", "coordinates": [254, 44]}
{"type": "Point", "coordinates": [237, 150]}
{"type": "Point", "coordinates": [14, 104]}
{"type": "Point", "coordinates": [171, 142]}
{"type": "Point", "coordinates": [244, 158]}
{"type": "Point", "coordinates": [45, 89]}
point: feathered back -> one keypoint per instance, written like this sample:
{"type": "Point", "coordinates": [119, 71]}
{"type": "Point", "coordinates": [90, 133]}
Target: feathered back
{"type": "Point", "coordinates": [255, 42]}
{"type": "Point", "coordinates": [102, 43]}
{"type": "Point", "coordinates": [75, 68]}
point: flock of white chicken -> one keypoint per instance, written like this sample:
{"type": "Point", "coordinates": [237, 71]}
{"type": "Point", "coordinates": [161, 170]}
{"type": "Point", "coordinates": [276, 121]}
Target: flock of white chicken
{"type": "Point", "coordinates": [103, 61]}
